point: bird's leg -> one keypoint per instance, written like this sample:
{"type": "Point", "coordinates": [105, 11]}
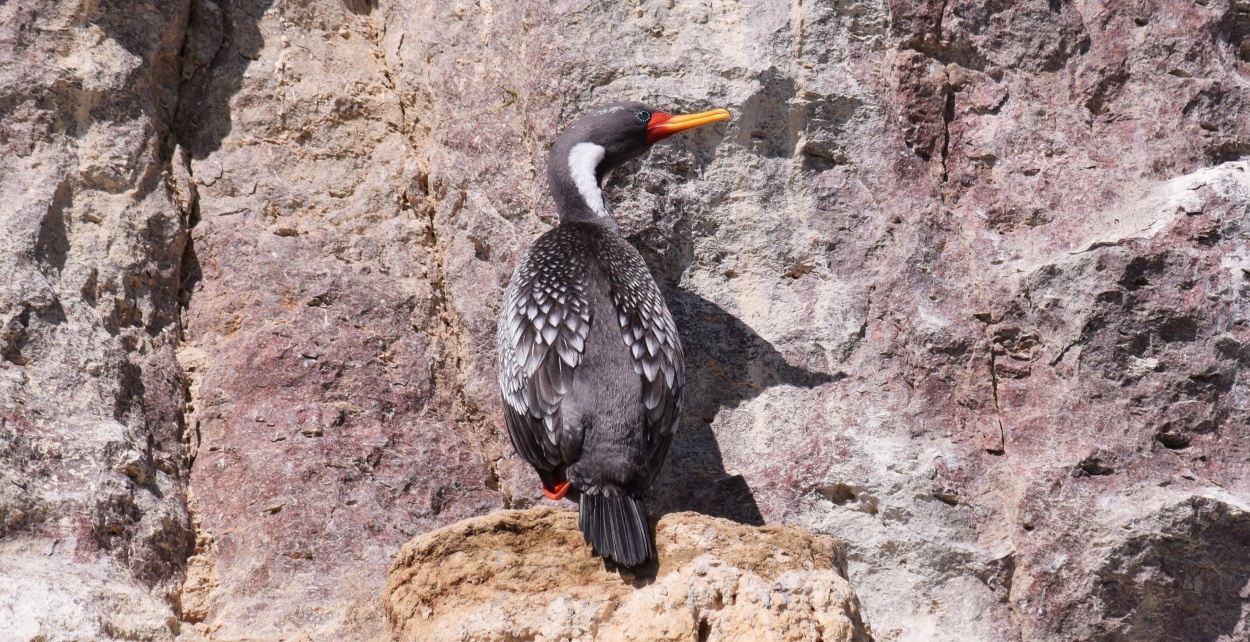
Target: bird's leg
{"type": "Point", "coordinates": [555, 484]}
{"type": "Point", "coordinates": [557, 493]}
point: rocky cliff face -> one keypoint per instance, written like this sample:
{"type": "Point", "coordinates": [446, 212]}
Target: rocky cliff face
{"type": "Point", "coordinates": [962, 284]}
{"type": "Point", "coordinates": [94, 531]}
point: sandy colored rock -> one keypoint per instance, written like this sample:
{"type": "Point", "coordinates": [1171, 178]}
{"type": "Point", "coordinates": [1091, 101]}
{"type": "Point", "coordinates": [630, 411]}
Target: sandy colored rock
{"type": "Point", "coordinates": [528, 575]}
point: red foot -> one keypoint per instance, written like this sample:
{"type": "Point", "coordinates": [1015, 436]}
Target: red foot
{"type": "Point", "coordinates": [561, 490]}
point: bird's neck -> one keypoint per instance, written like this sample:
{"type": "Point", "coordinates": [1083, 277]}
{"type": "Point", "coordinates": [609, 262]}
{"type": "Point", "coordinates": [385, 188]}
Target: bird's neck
{"type": "Point", "coordinates": [574, 172]}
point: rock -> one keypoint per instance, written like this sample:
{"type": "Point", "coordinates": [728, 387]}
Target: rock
{"type": "Point", "coordinates": [325, 432]}
{"type": "Point", "coordinates": [94, 532]}
{"type": "Point", "coordinates": [1163, 569]}
{"type": "Point", "coordinates": [887, 269]}
{"type": "Point", "coordinates": [528, 574]}
{"type": "Point", "coordinates": [1177, 571]}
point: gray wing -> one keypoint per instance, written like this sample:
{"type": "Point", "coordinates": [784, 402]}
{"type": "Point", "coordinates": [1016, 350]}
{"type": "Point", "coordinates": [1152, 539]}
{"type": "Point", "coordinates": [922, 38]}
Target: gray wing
{"type": "Point", "coordinates": [543, 326]}
{"type": "Point", "coordinates": [649, 331]}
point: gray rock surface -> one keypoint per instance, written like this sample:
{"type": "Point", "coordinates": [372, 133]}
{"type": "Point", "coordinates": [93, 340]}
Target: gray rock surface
{"type": "Point", "coordinates": [94, 532]}
{"type": "Point", "coordinates": [962, 284]}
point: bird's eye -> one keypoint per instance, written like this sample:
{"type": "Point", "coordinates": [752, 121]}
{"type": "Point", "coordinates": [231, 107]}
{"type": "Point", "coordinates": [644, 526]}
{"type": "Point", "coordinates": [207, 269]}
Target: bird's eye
{"type": "Point", "coordinates": [643, 116]}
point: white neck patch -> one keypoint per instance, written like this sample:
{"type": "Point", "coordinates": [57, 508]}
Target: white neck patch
{"type": "Point", "coordinates": [583, 159]}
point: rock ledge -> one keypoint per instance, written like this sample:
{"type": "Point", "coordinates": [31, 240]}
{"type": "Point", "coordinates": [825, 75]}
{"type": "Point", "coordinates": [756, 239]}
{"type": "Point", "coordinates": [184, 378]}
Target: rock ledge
{"type": "Point", "coordinates": [527, 575]}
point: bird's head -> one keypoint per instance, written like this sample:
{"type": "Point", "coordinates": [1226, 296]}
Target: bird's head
{"type": "Point", "coordinates": [601, 141]}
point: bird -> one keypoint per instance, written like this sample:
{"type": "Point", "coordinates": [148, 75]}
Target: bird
{"type": "Point", "coordinates": [590, 364]}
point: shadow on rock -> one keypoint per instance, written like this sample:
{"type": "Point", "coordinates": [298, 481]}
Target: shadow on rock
{"type": "Point", "coordinates": [222, 40]}
{"type": "Point", "coordinates": [727, 363]}
{"type": "Point", "coordinates": [1182, 579]}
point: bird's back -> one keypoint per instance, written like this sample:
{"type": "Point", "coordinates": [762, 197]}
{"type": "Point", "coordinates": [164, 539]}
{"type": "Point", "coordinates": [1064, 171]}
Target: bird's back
{"type": "Point", "coordinates": [605, 403]}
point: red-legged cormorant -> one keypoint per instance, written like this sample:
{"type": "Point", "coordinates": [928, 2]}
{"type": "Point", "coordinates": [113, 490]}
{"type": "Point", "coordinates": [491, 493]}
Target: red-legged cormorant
{"type": "Point", "coordinates": [589, 360]}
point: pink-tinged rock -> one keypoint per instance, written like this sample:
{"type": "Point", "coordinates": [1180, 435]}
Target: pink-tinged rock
{"type": "Point", "coordinates": [961, 284]}
{"type": "Point", "coordinates": [325, 432]}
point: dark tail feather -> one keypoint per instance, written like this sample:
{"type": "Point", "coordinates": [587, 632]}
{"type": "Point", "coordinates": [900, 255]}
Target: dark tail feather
{"type": "Point", "coordinates": [616, 526]}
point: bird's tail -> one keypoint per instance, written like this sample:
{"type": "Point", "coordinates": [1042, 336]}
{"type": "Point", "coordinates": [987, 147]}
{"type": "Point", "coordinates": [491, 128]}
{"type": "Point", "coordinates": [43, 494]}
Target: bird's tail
{"type": "Point", "coordinates": [616, 526]}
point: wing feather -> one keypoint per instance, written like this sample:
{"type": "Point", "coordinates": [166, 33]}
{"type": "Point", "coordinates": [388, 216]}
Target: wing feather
{"type": "Point", "coordinates": [543, 325]}
{"type": "Point", "coordinates": [648, 330]}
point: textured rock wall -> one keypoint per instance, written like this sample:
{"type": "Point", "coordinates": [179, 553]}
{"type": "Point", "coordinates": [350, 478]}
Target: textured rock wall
{"type": "Point", "coordinates": [325, 435]}
{"type": "Point", "coordinates": [962, 284]}
{"type": "Point", "coordinates": [94, 532]}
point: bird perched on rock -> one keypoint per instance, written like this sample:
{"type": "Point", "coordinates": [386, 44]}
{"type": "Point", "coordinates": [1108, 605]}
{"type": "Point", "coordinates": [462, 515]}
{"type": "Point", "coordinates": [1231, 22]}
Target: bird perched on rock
{"type": "Point", "coordinates": [589, 360]}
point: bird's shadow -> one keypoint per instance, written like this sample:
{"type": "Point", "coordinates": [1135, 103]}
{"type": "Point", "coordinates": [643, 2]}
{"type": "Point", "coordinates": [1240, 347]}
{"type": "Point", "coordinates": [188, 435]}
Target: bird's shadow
{"type": "Point", "coordinates": [727, 363]}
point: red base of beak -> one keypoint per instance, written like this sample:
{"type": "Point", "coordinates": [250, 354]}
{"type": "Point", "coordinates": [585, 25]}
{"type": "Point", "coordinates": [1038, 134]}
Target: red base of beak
{"type": "Point", "coordinates": [663, 124]}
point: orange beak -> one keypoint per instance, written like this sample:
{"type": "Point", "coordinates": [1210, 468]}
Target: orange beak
{"type": "Point", "coordinates": [663, 125]}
